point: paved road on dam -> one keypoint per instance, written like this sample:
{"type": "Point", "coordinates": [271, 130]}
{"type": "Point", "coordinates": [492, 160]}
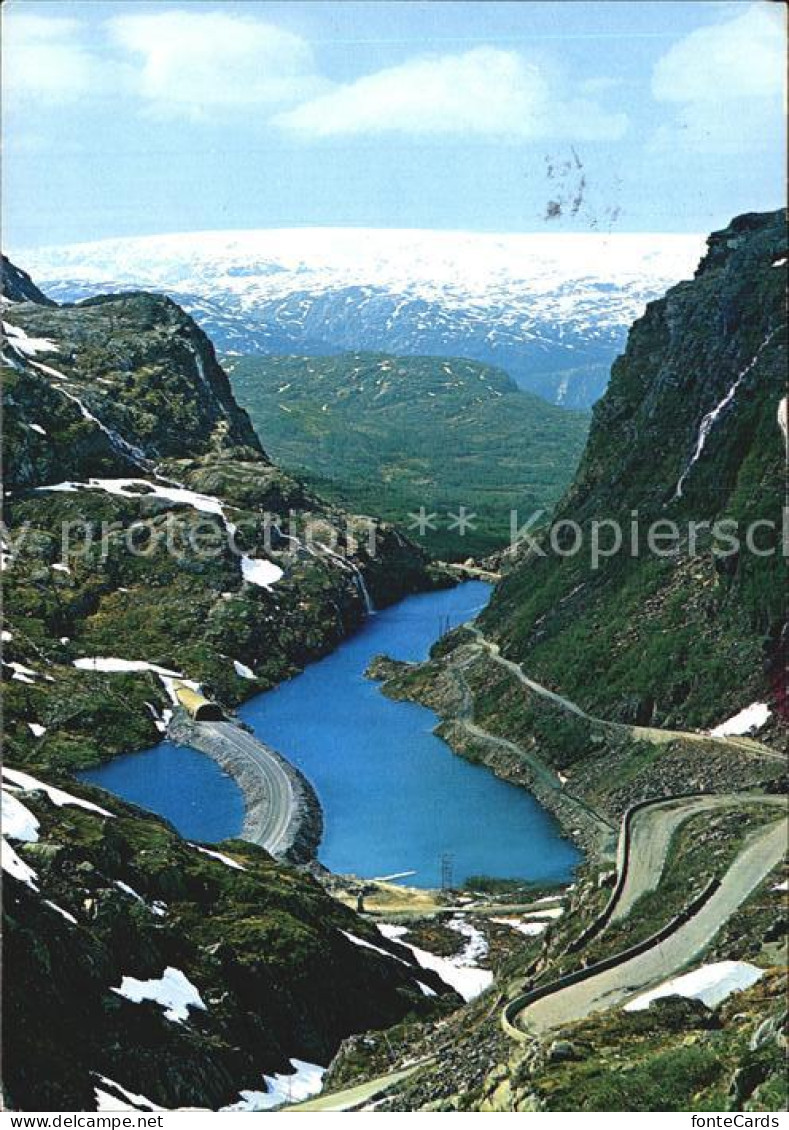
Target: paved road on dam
{"type": "Point", "coordinates": [274, 820]}
{"type": "Point", "coordinates": [356, 1096]}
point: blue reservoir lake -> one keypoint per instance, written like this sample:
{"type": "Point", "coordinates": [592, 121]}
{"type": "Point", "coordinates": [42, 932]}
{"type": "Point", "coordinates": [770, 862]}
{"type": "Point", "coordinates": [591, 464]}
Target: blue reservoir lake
{"type": "Point", "coordinates": [186, 787]}
{"type": "Point", "coordinates": [394, 796]}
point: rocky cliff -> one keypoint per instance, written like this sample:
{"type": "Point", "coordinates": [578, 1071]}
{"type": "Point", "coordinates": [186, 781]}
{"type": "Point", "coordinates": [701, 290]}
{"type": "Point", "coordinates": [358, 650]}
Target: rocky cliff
{"type": "Point", "coordinates": [687, 435]}
{"type": "Point", "coordinates": [143, 521]}
{"type": "Point", "coordinates": [145, 526]}
{"type": "Point", "coordinates": [17, 285]}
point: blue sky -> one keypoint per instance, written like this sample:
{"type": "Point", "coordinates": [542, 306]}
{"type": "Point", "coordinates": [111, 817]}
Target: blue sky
{"type": "Point", "coordinates": [129, 118]}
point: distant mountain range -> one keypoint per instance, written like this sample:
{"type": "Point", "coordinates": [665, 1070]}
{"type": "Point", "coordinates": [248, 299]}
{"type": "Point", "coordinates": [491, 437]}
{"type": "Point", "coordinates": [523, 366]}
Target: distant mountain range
{"type": "Point", "coordinates": [552, 310]}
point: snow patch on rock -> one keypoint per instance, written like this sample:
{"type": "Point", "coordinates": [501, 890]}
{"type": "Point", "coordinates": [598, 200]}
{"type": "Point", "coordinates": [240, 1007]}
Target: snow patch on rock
{"type": "Point", "coordinates": [30, 346]}
{"type": "Point", "coordinates": [228, 862]}
{"type": "Point", "coordinates": [752, 718]}
{"type": "Point", "coordinates": [18, 821]}
{"type": "Point", "coordinates": [111, 1102]}
{"type": "Point", "coordinates": [529, 929]}
{"type": "Point", "coordinates": [305, 1082]}
{"type": "Point", "coordinates": [63, 913]}
{"type": "Point", "coordinates": [460, 972]}
{"type": "Point", "coordinates": [109, 664]}
{"type": "Point", "coordinates": [709, 984]}
{"type": "Point", "coordinates": [173, 991]}
{"type": "Point", "coordinates": [157, 908]}
{"type": "Point", "coordinates": [257, 571]}
{"type": "Point", "coordinates": [22, 673]}
{"type": "Point", "coordinates": [59, 797]}
{"type": "Point", "coordinates": [17, 867]}
{"type": "Point", "coordinates": [364, 944]}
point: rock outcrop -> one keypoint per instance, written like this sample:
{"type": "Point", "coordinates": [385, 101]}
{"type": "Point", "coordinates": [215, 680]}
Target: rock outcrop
{"type": "Point", "coordinates": [145, 525]}
{"type": "Point", "coordinates": [687, 432]}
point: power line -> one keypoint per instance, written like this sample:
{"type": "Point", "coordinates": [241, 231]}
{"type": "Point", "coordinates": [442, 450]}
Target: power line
{"type": "Point", "coordinates": [447, 867]}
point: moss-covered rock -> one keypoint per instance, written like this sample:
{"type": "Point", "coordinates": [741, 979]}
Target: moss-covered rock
{"type": "Point", "coordinates": [124, 895]}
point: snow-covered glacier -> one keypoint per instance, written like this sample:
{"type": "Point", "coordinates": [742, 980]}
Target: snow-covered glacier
{"type": "Point", "coordinates": [551, 309]}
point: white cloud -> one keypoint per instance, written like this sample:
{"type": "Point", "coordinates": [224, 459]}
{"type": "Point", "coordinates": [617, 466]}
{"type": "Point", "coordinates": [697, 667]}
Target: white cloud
{"type": "Point", "coordinates": [192, 63]}
{"type": "Point", "coordinates": [44, 60]}
{"type": "Point", "coordinates": [483, 92]}
{"type": "Point", "coordinates": [743, 58]}
{"type": "Point", "coordinates": [726, 83]}
{"type": "Point", "coordinates": [188, 61]}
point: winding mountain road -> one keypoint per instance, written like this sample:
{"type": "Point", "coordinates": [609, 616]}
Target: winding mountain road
{"type": "Point", "coordinates": [652, 734]}
{"type": "Point", "coordinates": [651, 833]}
{"type": "Point", "coordinates": [517, 671]}
{"type": "Point", "coordinates": [763, 850]}
{"type": "Point", "coordinates": [357, 1096]}
{"type": "Point", "coordinates": [542, 773]}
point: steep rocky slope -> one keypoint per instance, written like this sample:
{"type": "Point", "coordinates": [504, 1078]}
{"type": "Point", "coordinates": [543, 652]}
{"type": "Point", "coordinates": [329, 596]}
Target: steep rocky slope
{"type": "Point", "coordinates": [622, 658]}
{"type": "Point", "coordinates": [102, 896]}
{"type": "Point", "coordinates": [139, 528]}
{"type": "Point", "coordinates": [144, 522]}
{"type": "Point", "coordinates": [17, 285]}
{"type": "Point", "coordinates": [688, 431]}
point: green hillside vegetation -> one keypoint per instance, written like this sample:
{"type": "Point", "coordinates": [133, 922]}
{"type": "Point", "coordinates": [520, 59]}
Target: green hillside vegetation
{"type": "Point", "coordinates": [685, 638]}
{"type": "Point", "coordinates": [387, 435]}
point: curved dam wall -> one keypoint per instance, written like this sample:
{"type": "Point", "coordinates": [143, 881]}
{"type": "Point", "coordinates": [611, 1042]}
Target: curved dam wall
{"type": "Point", "coordinates": [300, 841]}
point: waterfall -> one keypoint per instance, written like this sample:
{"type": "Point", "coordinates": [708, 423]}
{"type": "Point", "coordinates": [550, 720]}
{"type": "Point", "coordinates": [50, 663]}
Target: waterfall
{"type": "Point", "coordinates": [358, 577]}
{"type": "Point", "coordinates": [708, 421]}
{"type": "Point", "coordinates": [783, 418]}
{"type": "Point", "coordinates": [199, 365]}
{"type": "Point", "coordinates": [364, 593]}
{"type": "Point", "coordinates": [129, 450]}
